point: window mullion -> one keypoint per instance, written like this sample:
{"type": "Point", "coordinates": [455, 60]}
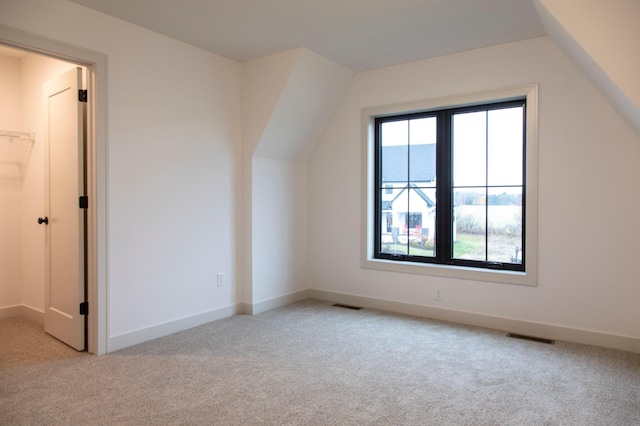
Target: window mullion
{"type": "Point", "coordinates": [523, 184]}
{"type": "Point", "coordinates": [408, 213]}
{"type": "Point", "coordinates": [444, 211]}
{"type": "Point", "coordinates": [486, 187]}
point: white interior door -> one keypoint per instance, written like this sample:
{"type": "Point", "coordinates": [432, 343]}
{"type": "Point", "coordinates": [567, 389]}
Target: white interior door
{"type": "Point", "coordinates": [64, 184]}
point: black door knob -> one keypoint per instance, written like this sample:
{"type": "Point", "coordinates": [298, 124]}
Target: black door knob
{"type": "Point", "coordinates": [45, 220]}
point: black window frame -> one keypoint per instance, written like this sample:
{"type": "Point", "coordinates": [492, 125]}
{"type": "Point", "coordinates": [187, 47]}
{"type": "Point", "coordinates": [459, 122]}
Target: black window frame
{"type": "Point", "coordinates": [444, 187]}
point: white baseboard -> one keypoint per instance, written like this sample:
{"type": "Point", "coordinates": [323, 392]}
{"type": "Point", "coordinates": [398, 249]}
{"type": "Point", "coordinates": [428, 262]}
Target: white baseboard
{"type": "Point", "coordinates": [11, 311]}
{"type": "Point", "coordinates": [22, 311]}
{"type": "Point", "coordinates": [276, 302]}
{"type": "Point", "coordinates": [33, 314]}
{"type": "Point", "coordinates": [548, 331]}
{"type": "Point", "coordinates": [154, 332]}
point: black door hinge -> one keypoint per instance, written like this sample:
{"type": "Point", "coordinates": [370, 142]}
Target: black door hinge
{"type": "Point", "coordinates": [84, 202]}
{"type": "Point", "coordinates": [84, 308]}
{"type": "Point", "coordinates": [82, 95]}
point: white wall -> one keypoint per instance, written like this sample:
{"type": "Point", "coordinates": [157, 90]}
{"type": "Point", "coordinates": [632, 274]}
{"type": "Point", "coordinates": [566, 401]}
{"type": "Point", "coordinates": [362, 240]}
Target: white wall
{"type": "Point", "coordinates": [588, 174]}
{"type": "Point", "coordinates": [173, 135]}
{"type": "Point", "coordinates": [10, 244]}
{"type": "Point", "coordinates": [10, 184]}
{"type": "Point", "coordinates": [172, 152]}
{"type": "Point", "coordinates": [288, 100]}
{"type": "Point", "coordinates": [263, 81]}
{"type": "Point", "coordinates": [10, 102]}
{"type": "Point", "coordinates": [279, 226]}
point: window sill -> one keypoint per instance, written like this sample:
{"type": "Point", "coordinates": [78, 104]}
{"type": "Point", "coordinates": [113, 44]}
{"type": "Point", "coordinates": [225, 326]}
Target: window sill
{"type": "Point", "coordinates": [456, 272]}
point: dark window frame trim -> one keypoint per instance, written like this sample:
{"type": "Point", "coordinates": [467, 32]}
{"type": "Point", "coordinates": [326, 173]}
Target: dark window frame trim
{"type": "Point", "coordinates": [444, 215]}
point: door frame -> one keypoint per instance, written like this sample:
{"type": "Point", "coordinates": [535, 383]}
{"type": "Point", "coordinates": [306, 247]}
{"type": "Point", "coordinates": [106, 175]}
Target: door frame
{"type": "Point", "coordinates": [96, 173]}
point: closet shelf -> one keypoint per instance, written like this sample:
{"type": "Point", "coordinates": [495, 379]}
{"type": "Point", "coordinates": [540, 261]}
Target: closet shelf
{"type": "Point", "coordinates": [15, 146]}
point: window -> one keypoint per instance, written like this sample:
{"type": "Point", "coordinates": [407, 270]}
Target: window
{"type": "Point", "coordinates": [463, 188]}
{"type": "Point", "coordinates": [472, 158]}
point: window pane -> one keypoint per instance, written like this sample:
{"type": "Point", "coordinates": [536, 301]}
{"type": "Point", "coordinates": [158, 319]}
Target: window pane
{"type": "Point", "coordinates": [422, 150]}
{"type": "Point", "coordinates": [423, 130]}
{"type": "Point", "coordinates": [505, 225]}
{"type": "Point", "coordinates": [469, 228]}
{"type": "Point", "coordinates": [469, 149]}
{"type": "Point", "coordinates": [389, 226]}
{"type": "Point", "coordinates": [392, 209]}
{"type": "Point", "coordinates": [395, 133]}
{"type": "Point", "coordinates": [505, 146]}
{"type": "Point", "coordinates": [394, 151]}
{"type": "Point", "coordinates": [420, 223]}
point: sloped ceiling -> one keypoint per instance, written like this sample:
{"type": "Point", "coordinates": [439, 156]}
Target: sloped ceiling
{"type": "Point", "coordinates": [603, 41]}
{"type": "Point", "coordinates": [357, 34]}
{"type": "Point", "coordinates": [263, 81]}
{"type": "Point", "coordinates": [288, 100]}
{"type": "Point", "coordinates": [599, 36]}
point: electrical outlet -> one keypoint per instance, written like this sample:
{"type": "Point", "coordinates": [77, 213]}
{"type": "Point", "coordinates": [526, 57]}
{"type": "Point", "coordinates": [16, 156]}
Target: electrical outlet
{"type": "Point", "coordinates": [220, 279]}
{"type": "Point", "coordinates": [438, 296]}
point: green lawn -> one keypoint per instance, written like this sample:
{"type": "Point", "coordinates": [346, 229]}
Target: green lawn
{"type": "Point", "coordinates": [460, 248]}
{"type": "Point", "coordinates": [467, 246]}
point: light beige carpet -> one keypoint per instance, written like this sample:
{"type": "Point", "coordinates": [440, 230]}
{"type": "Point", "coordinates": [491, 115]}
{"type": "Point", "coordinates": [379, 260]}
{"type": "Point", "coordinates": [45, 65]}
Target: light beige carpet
{"type": "Point", "coordinates": [313, 364]}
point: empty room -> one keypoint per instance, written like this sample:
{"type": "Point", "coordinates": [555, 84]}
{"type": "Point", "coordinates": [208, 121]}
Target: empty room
{"type": "Point", "coordinates": [319, 212]}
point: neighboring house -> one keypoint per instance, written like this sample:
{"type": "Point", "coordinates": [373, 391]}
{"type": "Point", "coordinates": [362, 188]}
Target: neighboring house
{"type": "Point", "coordinates": [408, 199]}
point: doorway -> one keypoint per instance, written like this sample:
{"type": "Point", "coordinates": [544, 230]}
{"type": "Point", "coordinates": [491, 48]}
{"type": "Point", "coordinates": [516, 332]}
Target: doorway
{"type": "Point", "coordinates": [24, 154]}
{"type": "Point", "coordinates": [95, 65]}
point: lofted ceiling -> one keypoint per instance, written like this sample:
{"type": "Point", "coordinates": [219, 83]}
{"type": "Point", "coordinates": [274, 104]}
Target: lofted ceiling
{"type": "Point", "coordinates": [358, 34]}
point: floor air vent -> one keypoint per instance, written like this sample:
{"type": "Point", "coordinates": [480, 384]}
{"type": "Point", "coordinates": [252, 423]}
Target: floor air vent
{"type": "Point", "coordinates": [533, 339]}
{"type": "Point", "coordinates": [340, 305]}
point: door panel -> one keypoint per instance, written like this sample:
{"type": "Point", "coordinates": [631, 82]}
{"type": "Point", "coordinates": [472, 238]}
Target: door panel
{"type": "Point", "coordinates": [64, 175]}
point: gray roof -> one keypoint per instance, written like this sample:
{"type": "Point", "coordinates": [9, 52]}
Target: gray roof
{"type": "Point", "coordinates": [419, 159]}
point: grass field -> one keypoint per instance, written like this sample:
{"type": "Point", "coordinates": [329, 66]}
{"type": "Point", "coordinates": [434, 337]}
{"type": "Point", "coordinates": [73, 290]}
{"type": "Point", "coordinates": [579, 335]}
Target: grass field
{"type": "Point", "coordinates": [467, 246]}
{"type": "Point", "coordinates": [503, 241]}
